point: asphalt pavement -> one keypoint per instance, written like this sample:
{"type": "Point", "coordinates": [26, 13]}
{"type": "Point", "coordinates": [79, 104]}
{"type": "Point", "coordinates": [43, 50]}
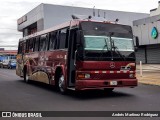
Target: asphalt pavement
{"type": "Point", "coordinates": [16, 95]}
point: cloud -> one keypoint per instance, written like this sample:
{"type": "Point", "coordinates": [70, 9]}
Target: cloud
{"type": "Point", "coordinates": [11, 10]}
{"type": "Point", "coordinates": [9, 13]}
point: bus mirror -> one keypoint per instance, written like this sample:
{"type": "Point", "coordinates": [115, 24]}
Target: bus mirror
{"type": "Point", "coordinates": [137, 41]}
{"type": "Point", "coordinates": [136, 49]}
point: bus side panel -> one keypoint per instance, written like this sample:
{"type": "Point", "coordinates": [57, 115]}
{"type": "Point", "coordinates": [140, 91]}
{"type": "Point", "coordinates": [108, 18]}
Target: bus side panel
{"type": "Point", "coordinates": [35, 67]}
{"type": "Point", "coordinates": [55, 59]}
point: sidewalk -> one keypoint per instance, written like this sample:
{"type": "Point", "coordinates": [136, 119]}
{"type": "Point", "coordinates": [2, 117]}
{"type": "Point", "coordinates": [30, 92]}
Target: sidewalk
{"type": "Point", "coordinates": [150, 74]}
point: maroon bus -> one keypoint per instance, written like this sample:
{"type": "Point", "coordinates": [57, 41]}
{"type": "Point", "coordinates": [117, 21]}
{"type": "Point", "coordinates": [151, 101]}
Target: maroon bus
{"type": "Point", "coordinates": [79, 55]}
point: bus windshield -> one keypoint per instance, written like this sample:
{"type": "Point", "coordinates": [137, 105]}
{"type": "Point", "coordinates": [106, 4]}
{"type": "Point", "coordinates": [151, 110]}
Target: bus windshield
{"type": "Point", "coordinates": [123, 44]}
{"type": "Point", "coordinates": [103, 43]}
{"type": "Point", "coordinates": [97, 42]}
{"type": "Point", "coordinates": [105, 47]}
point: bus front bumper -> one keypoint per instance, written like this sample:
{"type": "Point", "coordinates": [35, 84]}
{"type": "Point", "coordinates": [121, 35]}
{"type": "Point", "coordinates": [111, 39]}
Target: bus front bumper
{"type": "Point", "coordinates": [101, 84]}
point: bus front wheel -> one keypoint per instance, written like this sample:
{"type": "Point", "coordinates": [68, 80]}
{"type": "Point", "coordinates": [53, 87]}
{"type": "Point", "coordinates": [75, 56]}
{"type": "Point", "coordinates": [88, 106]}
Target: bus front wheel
{"type": "Point", "coordinates": [61, 84]}
{"type": "Point", "coordinates": [109, 90]}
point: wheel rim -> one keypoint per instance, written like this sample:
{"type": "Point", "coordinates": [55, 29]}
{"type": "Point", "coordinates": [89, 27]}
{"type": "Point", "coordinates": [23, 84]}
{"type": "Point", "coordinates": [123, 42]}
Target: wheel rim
{"type": "Point", "coordinates": [61, 83]}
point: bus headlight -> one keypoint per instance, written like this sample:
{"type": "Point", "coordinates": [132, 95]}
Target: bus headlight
{"type": "Point", "coordinates": [83, 76]}
{"type": "Point", "coordinates": [131, 75]}
{"type": "Point", "coordinates": [87, 75]}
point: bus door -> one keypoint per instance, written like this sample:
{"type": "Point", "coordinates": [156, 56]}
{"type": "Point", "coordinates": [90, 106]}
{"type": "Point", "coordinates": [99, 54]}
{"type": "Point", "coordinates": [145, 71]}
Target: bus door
{"type": "Point", "coordinates": [71, 58]}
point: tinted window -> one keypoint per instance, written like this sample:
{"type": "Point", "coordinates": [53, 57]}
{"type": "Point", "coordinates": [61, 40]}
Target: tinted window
{"type": "Point", "coordinates": [62, 38]}
{"type": "Point", "coordinates": [31, 45]}
{"type": "Point", "coordinates": [20, 48]}
{"type": "Point", "coordinates": [43, 42]}
{"type": "Point", "coordinates": [24, 47]}
{"type": "Point", "coordinates": [36, 45]}
{"type": "Point", "coordinates": [27, 46]}
{"type": "Point", "coordinates": [52, 40]}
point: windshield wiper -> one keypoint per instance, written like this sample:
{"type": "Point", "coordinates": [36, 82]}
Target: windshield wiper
{"type": "Point", "coordinates": [105, 46]}
{"type": "Point", "coordinates": [117, 51]}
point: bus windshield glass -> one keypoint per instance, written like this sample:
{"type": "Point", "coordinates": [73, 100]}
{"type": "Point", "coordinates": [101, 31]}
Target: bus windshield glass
{"type": "Point", "coordinates": [97, 43]}
{"type": "Point", "coordinates": [123, 44]}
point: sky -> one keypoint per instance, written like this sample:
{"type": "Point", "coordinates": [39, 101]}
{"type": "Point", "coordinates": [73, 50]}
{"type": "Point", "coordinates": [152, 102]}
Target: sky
{"type": "Point", "coordinates": [11, 10]}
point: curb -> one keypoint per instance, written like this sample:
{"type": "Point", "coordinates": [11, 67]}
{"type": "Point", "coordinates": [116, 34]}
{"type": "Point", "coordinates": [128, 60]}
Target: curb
{"type": "Point", "coordinates": [148, 83]}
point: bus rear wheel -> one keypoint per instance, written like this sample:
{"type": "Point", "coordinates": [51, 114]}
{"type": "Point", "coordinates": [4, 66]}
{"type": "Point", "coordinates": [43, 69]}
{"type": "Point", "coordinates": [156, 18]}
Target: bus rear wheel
{"type": "Point", "coordinates": [61, 84]}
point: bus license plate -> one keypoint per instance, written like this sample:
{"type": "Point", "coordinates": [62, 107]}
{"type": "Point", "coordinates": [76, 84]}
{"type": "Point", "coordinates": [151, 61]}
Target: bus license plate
{"type": "Point", "coordinates": [113, 82]}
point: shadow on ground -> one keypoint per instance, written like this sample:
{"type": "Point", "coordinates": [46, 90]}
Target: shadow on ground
{"type": "Point", "coordinates": [84, 95]}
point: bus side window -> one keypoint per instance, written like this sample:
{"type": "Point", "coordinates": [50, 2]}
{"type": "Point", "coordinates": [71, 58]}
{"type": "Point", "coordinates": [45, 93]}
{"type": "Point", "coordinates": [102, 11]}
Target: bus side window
{"type": "Point", "coordinates": [62, 38]}
{"type": "Point", "coordinates": [20, 48]}
{"type": "Point", "coordinates": [24, 47]}
{"type": "Point", "coordinates": [47, 42]}
{"type": "Point", "coordinates": [34, 42]}
{"type": "Point", "coordinates": [27, 46]}
{"type": "Point", "coordinates": [36, 45]}
{"type": "Point", "coordinates": [43, 43]}
{"type": "Point", "coordinates": [31, 45]}
{"type": "Point", "coordinates": [52, 40]}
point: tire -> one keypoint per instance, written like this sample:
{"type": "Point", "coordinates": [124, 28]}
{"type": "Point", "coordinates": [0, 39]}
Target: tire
{"type": "Point", "coordinates": [61, 84]}
{"type": "Point", "coordinates": [109, 90]}
{"type": "Point", "coordinates": [25, 76]}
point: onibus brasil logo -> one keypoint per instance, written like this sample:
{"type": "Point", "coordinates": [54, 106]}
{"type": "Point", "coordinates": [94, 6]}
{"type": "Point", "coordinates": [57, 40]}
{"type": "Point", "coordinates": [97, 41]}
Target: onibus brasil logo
{"type": "Point", "coordinates": [154, 33]}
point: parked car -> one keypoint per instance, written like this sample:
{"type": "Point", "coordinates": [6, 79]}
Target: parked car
{"type": "Point", "coordinates": [1, 63]}
{"type": "Point", "coordinates": [5, 63]}
{"type": "Point", "coordinates": [12, 64]}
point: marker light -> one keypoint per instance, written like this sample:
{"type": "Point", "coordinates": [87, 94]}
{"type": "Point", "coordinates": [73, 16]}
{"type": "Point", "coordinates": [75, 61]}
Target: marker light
{"type": "Point", "coordinates": [83, 76]}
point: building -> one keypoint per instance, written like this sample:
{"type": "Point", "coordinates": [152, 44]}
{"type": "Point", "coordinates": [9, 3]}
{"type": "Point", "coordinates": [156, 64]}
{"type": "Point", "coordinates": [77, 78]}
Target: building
{"type": "Point", "coordinates": [147, 30]}
{"type": "Point", "coordinates": [1, 49]}
{"type": "Point", "coordinates": [46, 16]}
{"type": "Point", "coordinates": [8, 52]}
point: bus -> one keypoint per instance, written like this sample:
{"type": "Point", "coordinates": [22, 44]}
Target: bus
{"type": "Point", "coordinates": [79, 55]}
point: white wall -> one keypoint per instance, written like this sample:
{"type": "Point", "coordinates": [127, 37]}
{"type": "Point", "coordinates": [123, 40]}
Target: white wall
{"type": "Point", "coordinates": [155, 12]}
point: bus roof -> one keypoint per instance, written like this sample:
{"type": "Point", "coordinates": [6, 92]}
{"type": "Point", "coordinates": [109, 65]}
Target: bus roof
{"type": "Point", "coordinates": [74, 22]}
{"type": "Point", "coordinates": [64, 25]}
